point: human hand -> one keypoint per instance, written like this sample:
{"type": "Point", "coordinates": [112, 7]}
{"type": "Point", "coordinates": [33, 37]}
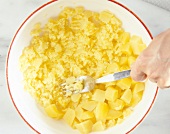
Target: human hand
{"type": "Point", "coordinates": [154, 62]}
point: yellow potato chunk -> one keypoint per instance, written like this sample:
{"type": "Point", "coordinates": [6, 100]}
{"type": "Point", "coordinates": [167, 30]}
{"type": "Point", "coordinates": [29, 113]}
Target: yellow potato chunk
{"type": "Point", "coordinates": [123, 60]}
{"type": "Point", "coordinates": [131, 60]}
{"type": "Point", "coordinates": [110, 123]}
{"type": "Point", "coordinates": [85, 127]}
{"type": "Point", "coordinates": [53, 112]}
{"type": "Point", "coordinates": [113, 67]}
{"type": "Point", "coordinates": [117, 104]}
{"type": "Point", "coordinates": [89, 105]}
{"type": "Point", "coordinates": [127, 112]}
{"type": "Point", "coordinates": [75, 97]}
{"type": "Point", "coordinates": [101, 111]}
{"type": "Point", "coordinates": [120, 120]}
{"type": "Point", "coordinates": [136, 39]}
{"type": "Point", "coordinates": [87, 115]}
{"type": "Point", "coordinates": [124, 83]}
{"type": "Point", "coordinates": [126, 49]}
{"type": "Point", "coordinates": [124, 37]}
{"type": "Point", "coordinates": [138, 87]}
{"type": "Point", "coordinates": [111, 94]}
{"type": "Point", "coordinates": [113, 114]}
{"type": "Point", "coordinates": [127, 96]}
{"type": "Point", "coordinates": [75, 122]}
{"type": "Point", "coordinates": [79, 111]}
{"type": "Point", "coordinates": [99, 95]}
{"type": "Point", "coordinates": [105, 16]}
{"type": "Point", "coordinates": [69, 116]}
{"type": "Point", "coordinates": [136, 98]}
{"type": "Point", "coordinates": [137, 48]}
{"type": "Point", "coordinates": [98, 126]}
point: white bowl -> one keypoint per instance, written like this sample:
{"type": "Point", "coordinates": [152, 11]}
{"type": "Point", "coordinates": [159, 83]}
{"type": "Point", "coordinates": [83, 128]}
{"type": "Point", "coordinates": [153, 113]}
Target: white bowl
{"type": "Point", "coordinates": [26, 105]}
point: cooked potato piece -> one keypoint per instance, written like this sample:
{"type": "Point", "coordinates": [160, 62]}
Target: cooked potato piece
{"type": "Point", "coordinates": [87, 115]}
{"type": "Point", "coordinates": [89, 105]}
{"type": "Point", "coordinates": [53, 112]}
{"type": "Point", "coordinates": [117, 104]}
{"type": "Point", "coordinates": [99, 95]}
{"type": "Point", "coordinates": [131, 60]}
{"type": "Point", "coordinates": [113, 67]}
{"type": "Point", "coordinates": [85, 127]}
{"type": "Point", "coordinates": [98, 126]}
{"type": "Point", "coordinates": [111, 94]}
{"type": "Point", "coordinates": [136, 39]}
{"type": "Point", "coordinates": [113, 114]}
{"type": "Point", "coordinates": [79, 111]}
{"type": "Point", "coordinates": [101, 111]}
{"type": "Point", "coordinates": [120, 120]}
{"type": "Point", "coordinates": [75, 97]}
{"type": "Point", "coordinates": [123, 60]}
{"type": "Point", "coordinates": [110, 123]}
{"type": "Point", "coordinates": [138, 87]}
{"type": "Point", "coordinates": [136, 98]}
{"type": "Point", "coordinates": [127, 96]}
{"type": "Point", "coordinates": [105, 16]}
{"type": "Point", "coordinates": [124, 83]}
{"type": "Point", "coordinates": [69, 116]}
{"type": "Point", "coordinates": [124, 37]}
{"type": "Point", "coordinates": [127, 112]}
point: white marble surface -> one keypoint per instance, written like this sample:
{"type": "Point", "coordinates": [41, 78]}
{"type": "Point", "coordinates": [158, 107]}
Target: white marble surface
{"type": "Point", "coordinates": [12, 14]}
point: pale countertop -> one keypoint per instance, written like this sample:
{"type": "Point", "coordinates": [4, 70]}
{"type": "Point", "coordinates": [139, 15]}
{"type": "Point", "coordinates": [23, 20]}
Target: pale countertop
{"type": "Point", "coordinates": [12, 14]}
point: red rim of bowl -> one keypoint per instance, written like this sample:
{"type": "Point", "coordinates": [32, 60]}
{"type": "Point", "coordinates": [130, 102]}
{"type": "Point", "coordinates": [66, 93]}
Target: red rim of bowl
{"type": "Point", "coordinates": [30, 17]}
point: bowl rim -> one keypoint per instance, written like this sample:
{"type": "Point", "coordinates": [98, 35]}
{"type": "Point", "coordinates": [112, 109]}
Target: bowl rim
{"type": "Point", "coordinates": [39, 8]}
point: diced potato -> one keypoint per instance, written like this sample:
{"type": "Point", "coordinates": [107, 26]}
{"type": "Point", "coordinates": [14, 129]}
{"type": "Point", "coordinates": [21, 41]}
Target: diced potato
{"type": "Point", "coordinates": [110, 123]}
{"type": "Point", "coordinates": [99, 95]}
{"type": "Point", "coordinates": [87, 115]}
{"type": "Point", "coordinates": [124, 83]}
{"type": "Point", "coordinates": [75, 97]}
{"type": "Point", "coordinates": [127, 112]}
{"type": "Point", "coordinates": [98, 126]}
{"type": "Point", "coordinates": [127, 96]}
{"type": "Point", "coordinates": [126, 49]}
{"type": "Point", "coordinates": [124, 37]}
{"type": "Point", "coordinates": [53, 112]}
{"type": "Point", "coordinates": [113, 114]}
{"type": "Point", "coordinates": [105, 16]}
{"type": "Point", "coordinates": [123, 60]}
{"type": "Point", "coordinates": [136, 39]}
{"type": "Point", "coordinates": [111, 94]}
{"type": "Point", "coordinates": [110, 84]}
{"type": "Point", "coordinates": [138, 87]}
{"type": "Point", "coordinates": [120, 120]}
{"type": "Point", "coordinates": [70, 80]}
{"type": "Point", "coordinates": [137, 48]}
{"type": "Point", "coordinates": [85, 127]}
{"type": "Point", "coordinates": [79, 111]}
{"type": "Point", "coordinates": [117, 105]}
{"type": "Point", "coordinates": [116, 21]}
{"type": "Point", "coordinates": [131, 60]}
{"type": "Point", "coordinates": [69, 116]}
{"type": "Point", "coordinates": [75, 122]}
{"type": "Point", "coordinates": [79, 9]}
{"type": "Point", "coordinates": [112, 68]}
{"type": "Point", "coordinates": [101, 111]}
{"type": "Point", "coordinates": [89, 105]}
{"type": "Point", "coordinates": [136, 99]}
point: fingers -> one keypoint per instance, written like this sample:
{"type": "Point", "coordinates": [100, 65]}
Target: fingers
{"type": "Point", "coordinates": [136, 73]}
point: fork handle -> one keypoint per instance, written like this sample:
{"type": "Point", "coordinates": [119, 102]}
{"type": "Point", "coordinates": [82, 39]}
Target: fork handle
{"type": "Point", "coordinates": [114, 77]}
